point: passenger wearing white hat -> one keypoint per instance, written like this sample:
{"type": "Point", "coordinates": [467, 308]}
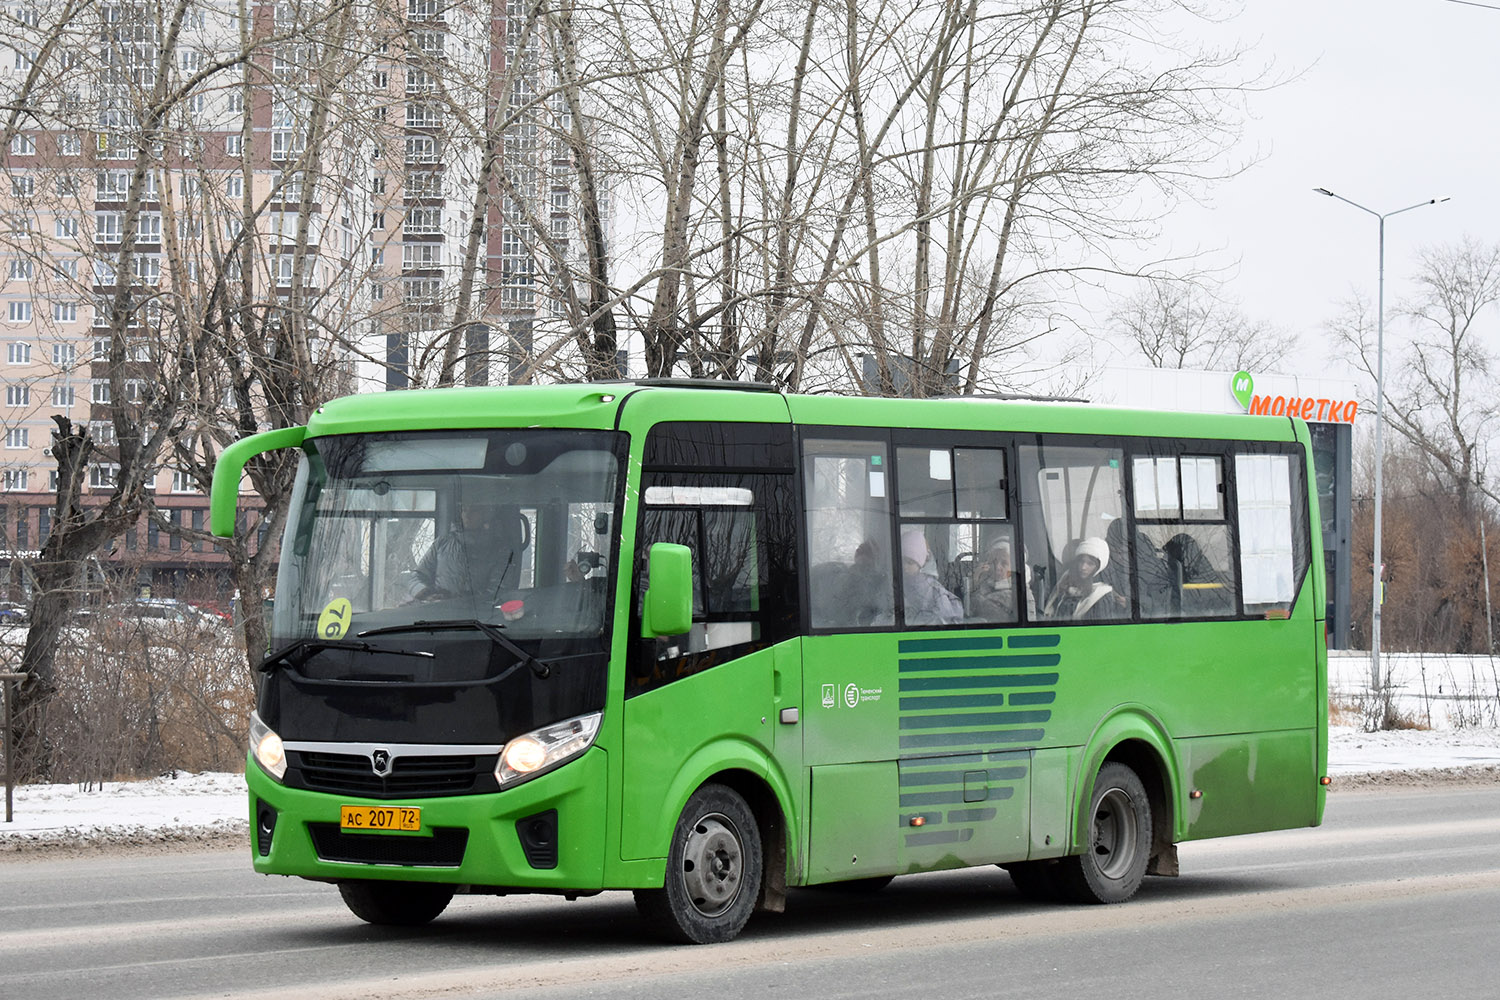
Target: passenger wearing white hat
{"type": "Point", "coordinates": [928, 602]}
{"type": "Point", "coordinates": [1078, 593]}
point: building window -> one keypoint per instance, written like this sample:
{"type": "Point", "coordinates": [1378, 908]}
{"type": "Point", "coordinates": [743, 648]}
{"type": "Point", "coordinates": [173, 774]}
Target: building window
{"type": "Point", "coordinates": [382, 80]}
{"type": "Point", "coordinates": [377, 220]}
{"type": "Point", "coordinates": [63, 396]}
{"type": "Point", "coordinates": [23, 145]}
{"type": "Point", "coordinates": [21, 269]}
{"type": "Point", "coordinates": [107, 227]}
{"type": "Point", "coordinates": [65, 228]}
{"type": "Point", "coordinates": [66, 268]}
{"type": "Point", "coordinates": [17, 437]}
{"type": "Point", "coordinates": [183, 482]}
{"type": "Point", "coordinates": [234, 186]}
{"type": "Point", "coordinates": [99, 391]}
{"type": "Point", "coordinates": [65, 355]}
{"type": "Point", "coordinates": [19, 312]}
{"type": "Point", "coordinates": [23, 186]}
{"type": "Point", "coordinates": [111, 185]}
{"type": "Point", "coordinates": [104, 475]}
{"type": "Point", "coordinates": [17, 395]}
{"type": "Point", "coordinates": [236, 102]}
{"type": "Point", "coordinates": [66, 185]}
{"type": "Point", "coordinates": [421, 221]}
{"type": "Point", "coordinates": [421, 149]}
{"type": "Point", "coordinates": [14, 480]}
{"type": "Point", "coordinates": [419, 256]}
{"type": "Point", "coordinates": [234, 145]}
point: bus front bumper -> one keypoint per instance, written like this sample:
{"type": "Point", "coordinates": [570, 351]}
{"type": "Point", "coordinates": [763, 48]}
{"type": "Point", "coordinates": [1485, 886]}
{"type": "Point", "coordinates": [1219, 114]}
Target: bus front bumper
{"type": "Point", "coordinates": [544, 835]}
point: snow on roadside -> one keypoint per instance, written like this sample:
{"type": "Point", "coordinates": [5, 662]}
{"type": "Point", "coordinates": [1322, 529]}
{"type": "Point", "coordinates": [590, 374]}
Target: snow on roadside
{"type": "Point", "coordinates": [181, 807]}
{"type": "Point", "coordinates": [208, 807]}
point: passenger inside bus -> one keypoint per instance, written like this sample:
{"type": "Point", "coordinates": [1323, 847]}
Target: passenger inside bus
{"type": "Point", "coordinates": [992, 587]}
{"type": "Point", "coordinates": [928, 602]}
{"type": "Point", "coordinates": [1079, 594]}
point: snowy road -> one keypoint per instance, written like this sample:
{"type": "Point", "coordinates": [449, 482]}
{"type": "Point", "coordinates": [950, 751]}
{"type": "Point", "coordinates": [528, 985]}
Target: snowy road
{"type": "Point", "coordinates": [1396, 895]}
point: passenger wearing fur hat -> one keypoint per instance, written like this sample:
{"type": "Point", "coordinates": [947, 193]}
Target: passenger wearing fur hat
{"type": "Point", "coordinates": [1078, 593]}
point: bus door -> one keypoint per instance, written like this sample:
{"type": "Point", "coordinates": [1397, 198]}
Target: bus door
{"type": "Point", "coordinates": [918, 759]}
{"type": "Point", "coordinates": [719, 688]}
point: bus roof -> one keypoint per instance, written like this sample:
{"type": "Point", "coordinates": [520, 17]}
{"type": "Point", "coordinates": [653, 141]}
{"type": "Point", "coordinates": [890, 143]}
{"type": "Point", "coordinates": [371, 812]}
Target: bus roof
{"type": "Point", "coordinates": [603, 405]}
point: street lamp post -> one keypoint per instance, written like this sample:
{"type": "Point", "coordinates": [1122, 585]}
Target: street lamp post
{"type": "Point", "coordinates": [1375, 588]}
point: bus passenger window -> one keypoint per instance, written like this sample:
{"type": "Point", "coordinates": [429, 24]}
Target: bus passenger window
{"type": "Point", "coordinates": [1183, 538]}
{"type": "Point", "coordinates": [955, 500]}
{"type": "Point", "coordinates": [848, 534]}
{"type": "Point", "coordinates": [1076, 565]}
{"type": "Point", "coordinates": [1273, 531]}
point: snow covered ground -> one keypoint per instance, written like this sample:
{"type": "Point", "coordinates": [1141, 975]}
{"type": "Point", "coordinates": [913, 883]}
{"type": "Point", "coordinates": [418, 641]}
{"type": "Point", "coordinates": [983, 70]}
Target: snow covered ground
{"type": "Point", "coordinates": [210, 806]}
{"type": "Point", "coordinates": [1447, 693]}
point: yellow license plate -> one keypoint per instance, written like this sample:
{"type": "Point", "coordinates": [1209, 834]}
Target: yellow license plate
{"type": "Point", "coordinates": [380, 818]}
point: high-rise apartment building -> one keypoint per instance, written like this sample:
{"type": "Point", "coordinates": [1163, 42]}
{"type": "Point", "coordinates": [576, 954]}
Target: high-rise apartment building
{"type": "Point", "coordinates": [306, 210]}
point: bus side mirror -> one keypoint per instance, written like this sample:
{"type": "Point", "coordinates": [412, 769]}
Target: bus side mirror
{"type": "Point", "coordinates": [224, 493]}
{"type": "Point", "coordinates": [669, 595]}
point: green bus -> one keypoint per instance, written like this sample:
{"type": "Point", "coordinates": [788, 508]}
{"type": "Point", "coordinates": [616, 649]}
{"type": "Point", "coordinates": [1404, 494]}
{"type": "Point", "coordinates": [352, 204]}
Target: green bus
{"type": "Point", "coordinates": [708, 641]}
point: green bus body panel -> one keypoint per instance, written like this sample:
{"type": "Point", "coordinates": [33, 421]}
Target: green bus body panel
{"type": "Point", "coordinates": [679, 736]}
{"type": "Point", "coordinates": [493, 858]}
{"type": "Point", "coordinates": [1250, 782]}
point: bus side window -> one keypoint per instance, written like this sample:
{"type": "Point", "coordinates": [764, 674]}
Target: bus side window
{"type": "Point", "coordinates": [744, 582]}
{"type": "Point", "coordinates": [1273, 531]}
{"type": "Point", "coordinates": [956, 498]}
{"type": "Point", "coordinates": [1183, 543]}
{"type": "Point", "coordinates": [1073, 506]}
{"type": "Point", "coordinates": [848, 534]}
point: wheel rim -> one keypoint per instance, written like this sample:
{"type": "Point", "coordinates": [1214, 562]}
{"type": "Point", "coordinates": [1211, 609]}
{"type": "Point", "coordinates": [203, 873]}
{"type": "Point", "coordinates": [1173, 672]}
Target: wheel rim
{"type": "Point", "coordinates": [713, 863]}
{"type": "Point", "coordinates": [1115, 834]}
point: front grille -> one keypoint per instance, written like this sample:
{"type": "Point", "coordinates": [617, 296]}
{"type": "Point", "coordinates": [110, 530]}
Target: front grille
{"type": "Point", "coordinates": [444, 849]}
{"type": "Point", "coordinates": [411, 776]}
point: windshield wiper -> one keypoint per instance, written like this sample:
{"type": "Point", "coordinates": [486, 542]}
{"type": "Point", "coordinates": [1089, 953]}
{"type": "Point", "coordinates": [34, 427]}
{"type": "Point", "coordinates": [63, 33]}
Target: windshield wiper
{"type": "Point", "coordinates": [490, 631]}
{"type": "Point", "coordinates": [310, 646]}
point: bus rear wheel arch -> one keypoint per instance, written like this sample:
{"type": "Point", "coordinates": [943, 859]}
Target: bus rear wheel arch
{"type": "Point", "coordinates": [714, 871]}
{"type": "Point", "coordinates": [1118, 840]}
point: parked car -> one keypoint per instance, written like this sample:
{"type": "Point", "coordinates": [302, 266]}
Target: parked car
{"type": "Point", "coordinates": [163, 616]}
{"type": "Point", "coordinates": [12, 613]}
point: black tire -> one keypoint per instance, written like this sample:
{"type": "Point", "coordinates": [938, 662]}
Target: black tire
{"type": "Point", "coordinates": [396, 904]}
{"type": "Point", "coordinates": [713, 873]}
{"type": "Point", "coordinates": [1035, 880]}
{"type": "Point", "coordinates": [1118, 848]}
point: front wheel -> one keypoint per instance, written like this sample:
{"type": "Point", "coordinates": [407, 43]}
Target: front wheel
{"type": "Point", "coordinates": [1114, 859]}
{"type": "Point", "coordinates": [396, 904]}
{"type": "Point", "coordinates": [713, 871]}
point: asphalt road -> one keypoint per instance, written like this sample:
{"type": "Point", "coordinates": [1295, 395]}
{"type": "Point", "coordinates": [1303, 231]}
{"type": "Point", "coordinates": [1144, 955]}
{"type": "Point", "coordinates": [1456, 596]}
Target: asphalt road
{"type": "Point", "coordinates": [1397, 895]}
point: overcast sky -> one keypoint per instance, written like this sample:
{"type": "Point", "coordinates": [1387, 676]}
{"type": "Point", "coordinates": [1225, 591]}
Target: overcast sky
{"type": "Point", "coordinates": [1395, 103]}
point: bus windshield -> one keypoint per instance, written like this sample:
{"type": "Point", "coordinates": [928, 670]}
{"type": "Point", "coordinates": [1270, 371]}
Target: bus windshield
{"type": "Point", "coordinates": [502, 527]}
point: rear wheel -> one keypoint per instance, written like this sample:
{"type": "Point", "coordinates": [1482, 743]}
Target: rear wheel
{"type": "Point", "coordinates": [1114, 859]}
{"type": "Point", "coordinates": [396, 904]}
{"type": "Point", "coordinates": [713, 871]}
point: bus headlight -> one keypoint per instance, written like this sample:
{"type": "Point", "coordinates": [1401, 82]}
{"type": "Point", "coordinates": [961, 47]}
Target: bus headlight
{"type": "Point", "coordinates": [266, 748]}
{"type": "Point", "coordinates": [543, 749]}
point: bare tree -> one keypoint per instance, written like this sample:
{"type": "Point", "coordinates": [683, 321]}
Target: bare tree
{"type": "Point", "coordinates": [1178, 323]}
{"type": "Point", "coordinates": [1442, 396]}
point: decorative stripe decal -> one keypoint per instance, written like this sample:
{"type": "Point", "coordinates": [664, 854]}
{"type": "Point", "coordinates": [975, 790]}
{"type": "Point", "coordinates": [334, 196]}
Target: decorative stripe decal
{"type": "Point", "coordinates": [969, 760]}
